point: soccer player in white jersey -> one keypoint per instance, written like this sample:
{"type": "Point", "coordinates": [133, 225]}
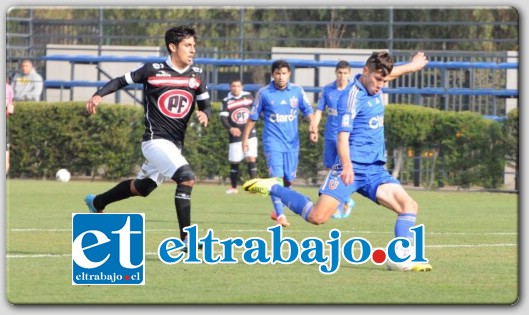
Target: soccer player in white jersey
{"type": "Point", "coordinates": [280, 103]}
{"type": "Point", "coordinates": [361, 152]}
{"type": "Point", "coordinates": [171, 89]}
{"type": "Point", "coordinates": [234, 114]}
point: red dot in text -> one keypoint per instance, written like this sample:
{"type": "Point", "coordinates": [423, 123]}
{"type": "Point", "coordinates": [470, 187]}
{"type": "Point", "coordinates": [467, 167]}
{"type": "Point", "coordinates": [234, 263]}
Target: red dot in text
{"type": "Point", "coordinates": [378, 256]}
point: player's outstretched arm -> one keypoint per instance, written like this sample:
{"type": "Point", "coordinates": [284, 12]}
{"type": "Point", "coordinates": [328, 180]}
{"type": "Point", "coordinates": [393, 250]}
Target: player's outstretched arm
{"type": "Point", "coordinates": [110, 87]}
{"type": "Point", "coordinates": [418, 62]}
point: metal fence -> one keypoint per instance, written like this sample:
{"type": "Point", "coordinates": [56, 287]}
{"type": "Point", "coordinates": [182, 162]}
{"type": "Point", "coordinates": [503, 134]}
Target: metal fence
{"type": "Point", "coordinates": [409, 89]}
{"type": "Point", "coordinates": [28, 36]}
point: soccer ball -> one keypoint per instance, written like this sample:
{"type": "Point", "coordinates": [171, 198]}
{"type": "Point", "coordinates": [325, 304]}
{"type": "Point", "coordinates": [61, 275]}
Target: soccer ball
{"type": "Point", "coordinates": [403, 266]}
{"type": "Point", "coordinates": [62, 175]}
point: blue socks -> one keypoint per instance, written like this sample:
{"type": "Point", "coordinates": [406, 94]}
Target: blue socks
{"type": "Point", "coordinates": [278, 205]}
{"type": "Point", "coordinates": [298, 203]}
{"type": "Point", "coordinates": [403, 224]}
{"type": "Point", "coordinates": [302, 206]}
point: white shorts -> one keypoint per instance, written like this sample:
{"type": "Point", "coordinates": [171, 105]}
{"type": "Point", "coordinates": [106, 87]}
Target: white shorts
{"type": "Point", "coordinates": [236, 154]}
{"type": "Point", "coordinates": [162, 159]}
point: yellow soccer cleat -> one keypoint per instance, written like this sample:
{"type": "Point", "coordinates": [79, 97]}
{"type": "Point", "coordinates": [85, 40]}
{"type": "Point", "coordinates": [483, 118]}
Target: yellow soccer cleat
{"type": "Point", "coordinates": [421, 267]}
{"type": "Point", "coordinates": [262, 185]}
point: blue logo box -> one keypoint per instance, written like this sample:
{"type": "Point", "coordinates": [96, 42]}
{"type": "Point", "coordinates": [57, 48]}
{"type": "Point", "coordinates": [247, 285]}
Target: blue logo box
{"type": "Point", "coordinates": [108, 249]}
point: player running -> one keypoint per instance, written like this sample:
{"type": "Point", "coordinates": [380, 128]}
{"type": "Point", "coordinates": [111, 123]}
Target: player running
{"type": "Point", "coordinates": [171, 89]}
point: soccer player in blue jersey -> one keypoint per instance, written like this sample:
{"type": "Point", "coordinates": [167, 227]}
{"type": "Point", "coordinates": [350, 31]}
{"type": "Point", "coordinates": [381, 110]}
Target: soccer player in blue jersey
{"type": "Point", "coordinates": [329, 97]}
{"type": "Point", "coordinates": [361, 152]}
{"type": "Point", "coordinates": [280, 103]}
{"type": "Point", "coordinates": [328, 101]}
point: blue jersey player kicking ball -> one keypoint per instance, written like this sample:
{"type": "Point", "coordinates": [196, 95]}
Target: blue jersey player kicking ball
{"type": "Point", "coordinates": [361, 152]}
{"type": "Point", "coordinates": [328, 102]}
{"type": "Point", "coordinates": [280, 104]}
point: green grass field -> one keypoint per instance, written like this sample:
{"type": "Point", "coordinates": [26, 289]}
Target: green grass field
{"type": "Point", "coordinates": [471, 241]}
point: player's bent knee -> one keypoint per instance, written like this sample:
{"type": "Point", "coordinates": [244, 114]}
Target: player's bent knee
{"type": "Point", "coordinates": [317, 218]}
{"type": "Point", "coordinates": [415, 206]}
{"type": "Point", "coordinates": [317, 221]}
{"type": "Point", "coordinates": [144, 186]}
{"type": "Point", "coordinates": [183, 192]}
{"type": "Point", "coordinates": [184, 174]}
{"type": "Point", "coordinates": [409, 206]}
{"type": "Point", "coordinates": [412, 206]}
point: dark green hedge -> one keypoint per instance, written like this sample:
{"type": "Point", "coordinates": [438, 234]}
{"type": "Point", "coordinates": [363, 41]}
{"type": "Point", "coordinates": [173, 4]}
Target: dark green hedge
{"type": "Point", "coordinates": [47, 136]}
{"type": "Point", "coordinates": [471, 150]}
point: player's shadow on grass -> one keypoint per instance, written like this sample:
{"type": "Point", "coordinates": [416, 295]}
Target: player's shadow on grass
{"type": "Point", "coordinates": [345, 265]}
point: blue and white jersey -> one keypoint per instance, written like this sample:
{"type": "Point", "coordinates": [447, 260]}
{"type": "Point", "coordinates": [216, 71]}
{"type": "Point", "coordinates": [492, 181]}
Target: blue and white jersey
{"type": "Point", "coordinates": [329, 97]}
{"type": "Point", "coordinates": [280, 110]}
{"type": "Point", "coordinates": [362, 115]}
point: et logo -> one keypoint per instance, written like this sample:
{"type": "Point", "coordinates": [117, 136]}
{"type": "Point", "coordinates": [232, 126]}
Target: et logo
{"type": "Point", "coordinates": [108, 248]}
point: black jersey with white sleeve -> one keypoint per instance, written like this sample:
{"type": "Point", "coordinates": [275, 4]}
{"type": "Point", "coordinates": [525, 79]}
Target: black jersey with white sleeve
{"type": "Point", "coordinates": [169, 98]}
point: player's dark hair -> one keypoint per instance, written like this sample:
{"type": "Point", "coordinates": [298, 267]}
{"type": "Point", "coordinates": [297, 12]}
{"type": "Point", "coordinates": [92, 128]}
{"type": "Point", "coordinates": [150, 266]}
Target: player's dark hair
{"type": "Point", "coordinates": [342, 64]}
{"type": "Point", "coordinates": [176, 34]}
{"type": "Point", "coordinates": [278, 64]}
{"type": "Point", "coordinates": [235, 80]}
{"type": "Point", "coordinates": [380, 62]}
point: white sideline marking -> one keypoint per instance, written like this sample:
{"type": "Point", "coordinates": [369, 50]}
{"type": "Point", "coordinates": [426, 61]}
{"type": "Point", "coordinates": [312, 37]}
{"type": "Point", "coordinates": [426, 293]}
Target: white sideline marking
{"type": "Point", "coordinates": [37, 255]}
{"type": "Point", "coordinates": [240, 251]}
{"type": "Point", "coordinates": [289, 230]}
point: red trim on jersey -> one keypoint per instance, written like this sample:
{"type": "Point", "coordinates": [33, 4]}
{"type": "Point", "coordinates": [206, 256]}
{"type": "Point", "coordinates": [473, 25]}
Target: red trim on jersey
{"type": "Point", "coordinates": [239, 103]}
{"type": "Point", "coordinates": [175, 103]}
{"type": "Point", "coordinates": [240, 116]}
{"type": "Point", "coordinates": [191, 82]}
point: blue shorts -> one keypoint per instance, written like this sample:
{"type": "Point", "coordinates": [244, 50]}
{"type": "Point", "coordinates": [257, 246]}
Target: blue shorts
{"type": "Point", "coordinates": [330, 153]}
{"type": "Point", "coordinates": [282, 164]}
{"type": "Point", "coordinates": [367, 179]}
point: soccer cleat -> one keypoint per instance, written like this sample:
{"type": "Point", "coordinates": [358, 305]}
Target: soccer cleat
{"type": "Point", "coordinates": [262, 185]}
{"type": "Point", "coordinates": [89, 200]}
{"type": "Point", "coordinates": [421, 267]}
{"type": "Point", "coordinates": [186, 242]}
{"type": "Point", "coordinates": [282, 219]}
{"type": "Point", "coordinates": [184, 249]}
{"type": "Point", "coordinates": [348, 207]}
{"type": "Point", "coordinates": [232, 191]}
{"type": "Point", "coordinates": [407, 265]}
{"type": "Point", "coordinates": [337, 214]}
{"type": "Point", "coordinates": [273, 215]}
